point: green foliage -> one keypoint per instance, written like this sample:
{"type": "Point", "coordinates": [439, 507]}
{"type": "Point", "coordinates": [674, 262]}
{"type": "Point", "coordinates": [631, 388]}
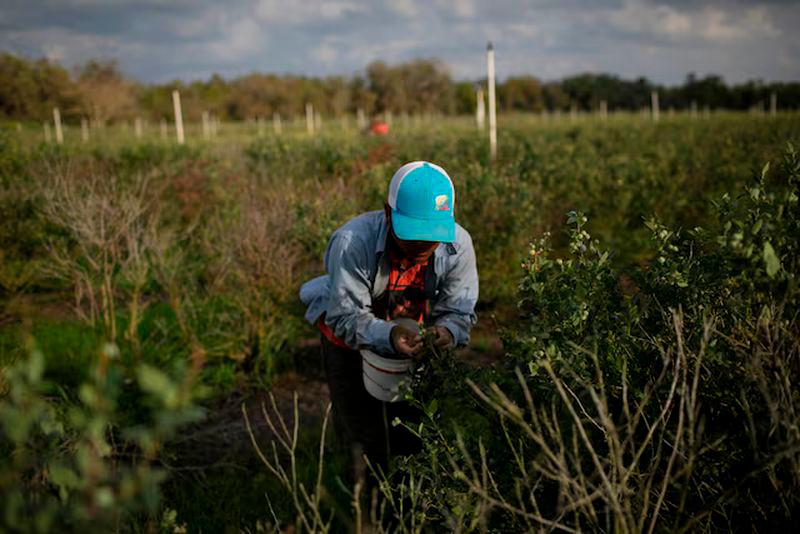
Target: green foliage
{"type": "Point", "coordinates": [206, 263]}
{"type": "Point", "coordinates": [724, 303]}
{"type": "Point", "coordinates": [73, 464]}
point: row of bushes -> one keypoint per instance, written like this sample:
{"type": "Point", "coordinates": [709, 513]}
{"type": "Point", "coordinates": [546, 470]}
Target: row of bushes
{"type": "Point", "coordinates": [186, 263]}
{"type": "Point", "coordinates": [661, 398]}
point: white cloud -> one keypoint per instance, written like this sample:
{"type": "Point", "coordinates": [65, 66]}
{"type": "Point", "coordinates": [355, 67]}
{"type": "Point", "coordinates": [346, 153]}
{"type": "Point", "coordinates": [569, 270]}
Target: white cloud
{"type": "Point", "coordinates": [464, 8]}
{"type": "Point", "coordinates": [636, 17]}
{"type": "Point", "coordinates": [240, 37]}
{"type": "Point", "coordinates": [298, 12]}
{"type": "Point", "coordinates": [661, 39]}
{"type": "Point", "coordinates": [709, 23]}
{"type": "Point", "coordinates": [326, 52]}
{"type": "Point", "coordinates": [406, 8]}
{"type": "Point", "coordinates": [54, 52]}
{"type": "Point", "coordinates": [524, 29]}
{"type": "Point", "coordinates": [755, 23]}
{"type": "Point", "coordinates": [65, 46]}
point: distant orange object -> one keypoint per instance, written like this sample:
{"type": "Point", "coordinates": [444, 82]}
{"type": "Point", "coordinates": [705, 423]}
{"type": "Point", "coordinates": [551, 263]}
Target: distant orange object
{"type": "Point", "coordinates": [379, 128]}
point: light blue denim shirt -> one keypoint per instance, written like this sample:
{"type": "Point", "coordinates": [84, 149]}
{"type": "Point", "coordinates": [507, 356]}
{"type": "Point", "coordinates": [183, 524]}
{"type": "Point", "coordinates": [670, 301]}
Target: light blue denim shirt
{"type": "Point", "coordinates": [358, 273]}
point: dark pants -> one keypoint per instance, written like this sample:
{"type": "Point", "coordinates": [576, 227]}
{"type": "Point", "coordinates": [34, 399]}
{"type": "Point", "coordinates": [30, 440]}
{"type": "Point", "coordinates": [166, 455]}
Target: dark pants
{"type": "Point", "coordinates": [360, 419]}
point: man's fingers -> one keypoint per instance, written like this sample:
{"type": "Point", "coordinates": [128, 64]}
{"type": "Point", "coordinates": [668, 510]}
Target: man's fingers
{"type": "Point", "coordinates": [444, 338]}
{"type": "Point", "coordinates": [414, 344]}
{"type": "Point", "coordinates": [407, 342]}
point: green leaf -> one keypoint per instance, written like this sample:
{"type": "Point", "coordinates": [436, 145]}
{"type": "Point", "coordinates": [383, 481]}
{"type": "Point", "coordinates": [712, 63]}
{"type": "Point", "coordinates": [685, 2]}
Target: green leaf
{"type": "Point", "coordinates": [35, 366]}
{"type": "Point", "coordinates": [771, 260]}
{"type": "Point", "coordinates": [432, 407]}
{"type": "Point", "coordinates": [64, 477]}
{"type": "Point", "coordinates": [153, 381]}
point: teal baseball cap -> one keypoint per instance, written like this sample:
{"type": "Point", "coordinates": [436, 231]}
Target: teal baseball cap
{"type": "Point", "coordinates": [422, 198]}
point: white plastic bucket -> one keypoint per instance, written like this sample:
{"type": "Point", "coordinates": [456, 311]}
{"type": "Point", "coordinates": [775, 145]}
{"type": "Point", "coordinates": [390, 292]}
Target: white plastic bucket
{"type": "Point", "coordinates": [385, 377]}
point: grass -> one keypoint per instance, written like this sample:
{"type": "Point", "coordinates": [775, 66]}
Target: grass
{"type": "Point", "coordinates": [209, 242]}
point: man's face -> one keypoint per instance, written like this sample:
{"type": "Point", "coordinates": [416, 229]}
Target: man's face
{"type": "Point", "coordinates": [414, 251]}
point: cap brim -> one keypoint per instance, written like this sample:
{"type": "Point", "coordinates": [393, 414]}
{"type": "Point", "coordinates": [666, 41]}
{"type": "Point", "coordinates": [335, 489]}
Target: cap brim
{"type": "Point", "coordinates": [412, 229]}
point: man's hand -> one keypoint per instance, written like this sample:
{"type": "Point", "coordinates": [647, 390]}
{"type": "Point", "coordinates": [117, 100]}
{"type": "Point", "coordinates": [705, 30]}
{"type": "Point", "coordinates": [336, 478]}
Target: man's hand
{"type": "Point", "coordinates": [442, 338]}
{"type": "Point", "coordinates": [405, 341]}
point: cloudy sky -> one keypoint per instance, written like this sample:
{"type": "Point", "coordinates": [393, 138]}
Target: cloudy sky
{"type": "Point", "coordinates": [160, 40]}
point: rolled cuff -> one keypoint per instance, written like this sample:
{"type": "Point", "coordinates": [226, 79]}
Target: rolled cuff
{"type": "Point", "coordinates": [378, 336]}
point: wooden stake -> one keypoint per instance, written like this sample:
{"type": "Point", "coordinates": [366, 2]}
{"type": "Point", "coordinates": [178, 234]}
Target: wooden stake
{"type": "Point", "coordinates": [310, 118]}
{"type": "Point", "coordinates": [277, 126]}
{"type": "Point", "coordinates": [137, 127]}
{"type": "Point", "coordinates": [57, 121]}
{"type": "Point", "coordinates": [84, 130]}
{"type": "Point", "coordinates": [492, 109]}
{"type": "Point", "coordinates": [654, 105]}
{"type": "Point", "coordinates": [361, 119]}
{"type": "Point", "coordinates": [480, 109]}
{"type": "Point", "coordinates": [206, 128]}
{"type": "Point", "coordinates": [176, 104]}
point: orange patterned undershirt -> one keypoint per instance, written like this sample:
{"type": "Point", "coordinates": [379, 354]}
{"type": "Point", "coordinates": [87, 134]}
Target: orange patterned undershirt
{"type": "Point", "coordinates": [404, 297]}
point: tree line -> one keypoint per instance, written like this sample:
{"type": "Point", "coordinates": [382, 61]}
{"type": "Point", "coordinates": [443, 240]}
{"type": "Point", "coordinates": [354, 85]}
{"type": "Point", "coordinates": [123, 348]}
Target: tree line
{"type": "Point", "coordinates": [99, 90]}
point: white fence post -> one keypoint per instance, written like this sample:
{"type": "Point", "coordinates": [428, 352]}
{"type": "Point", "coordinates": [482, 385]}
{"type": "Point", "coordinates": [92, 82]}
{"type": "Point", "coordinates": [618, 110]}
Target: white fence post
{"type": "Point", "coordinates": [492, 110]}
{"type": "Point", "coordinates": [84, 130]}
{"type": "Point", "coordinates": [206, 128]}
{"type": "Point", "coordinates": [277, 126]}
{"type": "Point", "coordinates": [654, 105]}
{"type": "Point", "coordinates": [310, 118]}
{"type": "Point", "coordinates": [57, 121]}
{"type": "Point", "coordinates": [361, 119]}
{"type": "Point", "coordinates": [176, 104]}
{"type": "Point", "coordinates": [480, 109]}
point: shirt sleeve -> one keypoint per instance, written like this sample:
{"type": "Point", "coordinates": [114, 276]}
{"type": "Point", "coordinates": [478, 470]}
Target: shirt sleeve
{"type": "Point", "coordinates": [349, 312]}
{"type": "Point", "coordinates": [454, 307]}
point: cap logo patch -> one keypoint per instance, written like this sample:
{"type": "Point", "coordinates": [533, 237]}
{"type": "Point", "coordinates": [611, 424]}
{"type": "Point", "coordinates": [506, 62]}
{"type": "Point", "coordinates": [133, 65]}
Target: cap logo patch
{"type": "Point", "coordinates": [442, 204]}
